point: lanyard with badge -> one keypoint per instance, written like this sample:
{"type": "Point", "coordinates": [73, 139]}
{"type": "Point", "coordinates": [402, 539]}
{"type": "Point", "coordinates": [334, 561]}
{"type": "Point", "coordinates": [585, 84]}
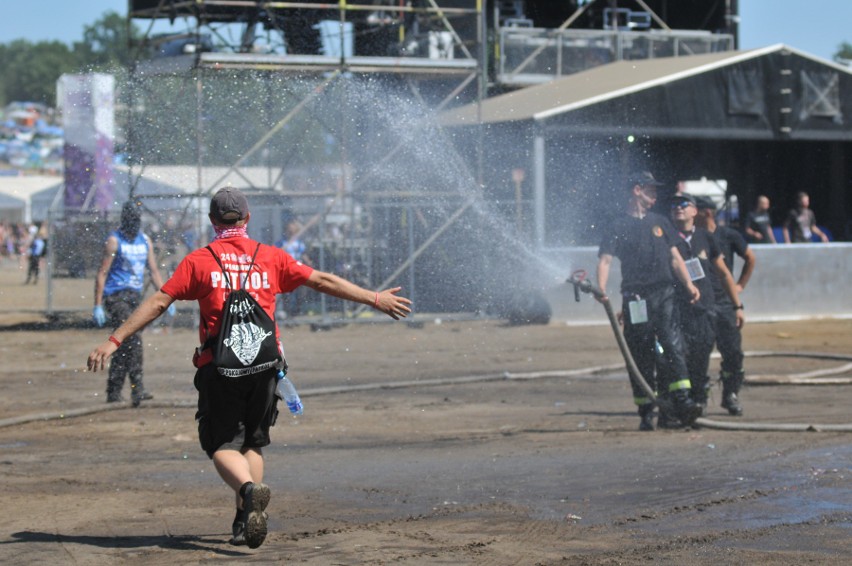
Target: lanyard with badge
{"type": "Point", "coordinates": [638, 308]}
{"type": "Point", "coordinates": [693, 265]}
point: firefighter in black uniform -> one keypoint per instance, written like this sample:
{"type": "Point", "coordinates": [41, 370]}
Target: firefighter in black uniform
{"type": "Point", "coordinates": [645, 242]}
{"type": "Point", "coordinates": [705, 263]}
{"type": "Point", "coordinates": [729, 312]}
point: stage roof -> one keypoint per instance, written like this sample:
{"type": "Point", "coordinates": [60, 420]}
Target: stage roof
{"type": "Point", "coordinates": [765, 93]}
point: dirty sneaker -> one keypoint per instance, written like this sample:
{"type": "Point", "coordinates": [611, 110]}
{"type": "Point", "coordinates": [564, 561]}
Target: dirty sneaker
{"type": "Point", "coordinates": [255, 500]}
{"type": "Point", "coordinates": [238, 530]}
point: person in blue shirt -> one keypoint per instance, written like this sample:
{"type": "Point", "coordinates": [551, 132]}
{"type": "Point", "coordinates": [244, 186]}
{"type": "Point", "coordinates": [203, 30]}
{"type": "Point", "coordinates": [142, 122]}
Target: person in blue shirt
{"type": "Point", "coordinates": [292, 243]}
{"type": "Point", "coordinates": [118, 291]}
{"type": "Point", "coordinates": [38, 249]}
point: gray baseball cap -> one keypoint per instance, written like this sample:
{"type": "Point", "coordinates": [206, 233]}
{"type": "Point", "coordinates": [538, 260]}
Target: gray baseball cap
{"type": "Point", "coordinates": [228, 205]}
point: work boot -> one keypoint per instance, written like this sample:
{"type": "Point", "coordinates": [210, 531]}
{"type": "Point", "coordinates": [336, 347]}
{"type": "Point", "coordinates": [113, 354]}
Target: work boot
{"type": "Point", "coordinates": [732, 404]}
{"type": "Point", "coordinates": [114, 395]}
{"type": "Point", "coordinates": [667, 418]}
{"type": "Point", "coordinates": [701, 403]}
{"type": "Point", "coordinates": [668, 421]}
{"type": "Point", "coordinates": [238, 530]}
{"type": "Point", "coordinates": [137, 398]}
{"type": "Point", "coordinates": [646, 414]}
{"type": "Point", "coordinates": [685, 408]}
{"type": "Point", "coordinates": [731, 383]}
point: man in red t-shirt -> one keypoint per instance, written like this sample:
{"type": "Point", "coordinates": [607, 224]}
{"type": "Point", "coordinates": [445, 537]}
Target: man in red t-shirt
{"type": "Point", "coordinates": [234, 414]}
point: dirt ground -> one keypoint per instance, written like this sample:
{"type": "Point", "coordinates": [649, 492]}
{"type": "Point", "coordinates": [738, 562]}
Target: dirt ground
{"type": "Point", "coordinates": [459, 442]}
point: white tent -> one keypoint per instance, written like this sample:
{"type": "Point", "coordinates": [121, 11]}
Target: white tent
{"type": "Point", "coordinates": [21, 189]}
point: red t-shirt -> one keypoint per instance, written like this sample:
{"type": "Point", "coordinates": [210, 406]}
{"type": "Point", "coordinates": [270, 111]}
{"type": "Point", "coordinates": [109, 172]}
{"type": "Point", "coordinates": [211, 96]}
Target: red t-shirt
{"type": "Point", "coordinates": [199, 278]}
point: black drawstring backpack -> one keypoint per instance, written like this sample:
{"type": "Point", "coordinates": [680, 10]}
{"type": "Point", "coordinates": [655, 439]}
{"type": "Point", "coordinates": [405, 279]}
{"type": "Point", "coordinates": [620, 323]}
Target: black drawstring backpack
{"type": "Point", "coordinates": [246, 341]}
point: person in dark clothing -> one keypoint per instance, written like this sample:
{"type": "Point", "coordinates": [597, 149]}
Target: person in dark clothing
{"type": "Point", "coordinates": [118, 291]}
{"type": "Point", "coordinates": [645, 243]}
{"type": "Point", "coordinates": [729, 312]}
{"type": "Point", "coordinates": [704, 262]}
{"type": "Point", "coordinates": [800, 225]}
{"type": "Point", "coordinates": [758, 227]}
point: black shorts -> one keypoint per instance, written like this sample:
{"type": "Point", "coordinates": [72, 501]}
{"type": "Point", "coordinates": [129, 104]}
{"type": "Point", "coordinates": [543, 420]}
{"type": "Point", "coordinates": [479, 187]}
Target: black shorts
{"type": "Point", "coordinates": [234, 413]}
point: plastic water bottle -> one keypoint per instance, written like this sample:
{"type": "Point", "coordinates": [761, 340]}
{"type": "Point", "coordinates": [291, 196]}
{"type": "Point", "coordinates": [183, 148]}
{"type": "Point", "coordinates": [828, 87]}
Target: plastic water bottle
{"type": "Point", "coordinates": [287, 391]}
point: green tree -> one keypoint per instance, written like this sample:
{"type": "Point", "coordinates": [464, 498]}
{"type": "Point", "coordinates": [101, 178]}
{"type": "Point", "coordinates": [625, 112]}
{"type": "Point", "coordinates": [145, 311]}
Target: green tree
{"type": "Point", "coordinates": [105, 43]}
{"type": "Point", "coordinates": [844, 53]}
{"type": "Point", "coordinates": [30, 70]}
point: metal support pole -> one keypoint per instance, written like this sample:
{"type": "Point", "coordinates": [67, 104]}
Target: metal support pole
{"type": "Point", "coordinates": [342, 32]}
{"type": "Point", "coordinates": [411, 250]}
{"type": "Point", "coordinates": [323, 301]}
{"type": "Point", "coordinates": [51, 258]}
{"type": "Point", "coordinates": [539, 190]}
{"type": "Point", "coordinates": [199, 127]}
{"type": "Point", "coordinates": [482, 69]}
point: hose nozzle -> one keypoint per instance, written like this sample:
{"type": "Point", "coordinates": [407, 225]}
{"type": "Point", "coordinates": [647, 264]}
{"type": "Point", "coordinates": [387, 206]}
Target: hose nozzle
{"type": "Point", "coordinates": [580, 283]}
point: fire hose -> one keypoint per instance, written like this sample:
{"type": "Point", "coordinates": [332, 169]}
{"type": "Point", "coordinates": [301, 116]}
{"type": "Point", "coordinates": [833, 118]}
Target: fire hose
{"type": "Point", "coordinates": [580, 283]}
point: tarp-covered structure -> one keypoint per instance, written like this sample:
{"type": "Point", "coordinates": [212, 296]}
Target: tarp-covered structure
{"type": "Point", "coordinates": [11, 208]}
{"type": "Point", "coordinates": [771, 121]}
{"type": "Point", "coordinates": [20, 192]}
{"type": "Point", "coordinates": [30, 198]}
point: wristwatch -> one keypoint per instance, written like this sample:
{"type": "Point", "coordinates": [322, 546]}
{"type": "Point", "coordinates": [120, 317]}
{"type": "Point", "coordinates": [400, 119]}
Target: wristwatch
{"type": "Point", "coordinates": [739, 307]}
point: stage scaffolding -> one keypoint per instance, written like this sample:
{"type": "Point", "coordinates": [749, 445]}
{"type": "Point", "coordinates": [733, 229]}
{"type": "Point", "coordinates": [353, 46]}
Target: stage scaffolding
{"type": "Point", "coordinates": [307, 107]}
{"type": "Point", "coordinates": [279, 100]}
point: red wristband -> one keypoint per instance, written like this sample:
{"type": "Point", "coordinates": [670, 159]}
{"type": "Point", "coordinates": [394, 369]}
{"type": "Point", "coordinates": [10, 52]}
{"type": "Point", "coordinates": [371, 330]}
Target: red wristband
{"type": "Point", "coordinates": [377, 301]}
{"type": "Point", "coordinates": [115, 341]}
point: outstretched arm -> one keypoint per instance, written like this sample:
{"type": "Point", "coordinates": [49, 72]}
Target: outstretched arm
{"type": "Point", "coordinates": [150, 309]}
{"type": "Point", "coordinates": [386, 301]}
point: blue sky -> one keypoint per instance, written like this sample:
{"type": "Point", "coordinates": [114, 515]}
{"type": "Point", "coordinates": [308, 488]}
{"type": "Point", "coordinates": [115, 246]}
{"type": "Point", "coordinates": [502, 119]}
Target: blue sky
{"type": "Point", "coordinates": [815, 26]}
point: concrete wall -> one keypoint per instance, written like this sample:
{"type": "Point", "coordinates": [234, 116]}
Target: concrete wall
{"type": "Point", "coordinates": [789, 282]}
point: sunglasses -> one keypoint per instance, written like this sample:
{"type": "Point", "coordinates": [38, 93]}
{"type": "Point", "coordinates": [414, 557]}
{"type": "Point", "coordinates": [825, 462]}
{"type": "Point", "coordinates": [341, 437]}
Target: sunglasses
{"type": "Point", "coordinates": [682, 204]}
